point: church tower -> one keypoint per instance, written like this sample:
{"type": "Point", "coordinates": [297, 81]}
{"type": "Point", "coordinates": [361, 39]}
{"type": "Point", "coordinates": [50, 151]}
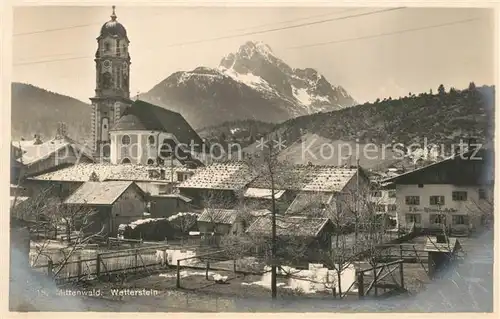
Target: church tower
{"type": "Point", "coordinates": [112, 93]}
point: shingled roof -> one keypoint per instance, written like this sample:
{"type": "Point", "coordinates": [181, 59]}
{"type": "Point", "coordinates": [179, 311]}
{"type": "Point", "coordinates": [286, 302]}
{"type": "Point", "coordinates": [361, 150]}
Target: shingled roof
{"type": "Point", "coordinates": [311, 203]}
{"type": "Point", "coordinates": [220, 176]}
{"type": "Point", "coordinates": [129, 172]}
{"type": "Point", "coordinates": [146, 116]}
{"type": "Point", "coordinates": [33, 152]}
{"type": "Point", "coordinates": [290, 226]}
{"type": "Point", "coordinates": [100, 193]}
{"type": "Point", "coordinates": [228, 216]}
{"type": "Point", "coordinates": [308, 178]}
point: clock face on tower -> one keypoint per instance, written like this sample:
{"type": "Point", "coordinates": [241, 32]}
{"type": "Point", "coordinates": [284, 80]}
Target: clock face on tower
{"type": "Point", "coordinates": [106, 64]}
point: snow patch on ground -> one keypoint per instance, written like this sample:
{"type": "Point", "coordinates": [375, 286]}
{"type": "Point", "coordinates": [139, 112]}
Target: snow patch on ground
{"type": "Point", "coordinates": [315, 279]}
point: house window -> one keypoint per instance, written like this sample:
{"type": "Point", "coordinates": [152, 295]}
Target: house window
{"type": "Point", "coordinates": [460, 220]}
{"type": "Point", "coordinates": [377, 194]}
{"type": "Point", "coordinates": [125, 161]}
{"type": "Point", "coordinates": [459, 196]}
{"type": "Point", "coordinates": [436, 200]}
{"type": "Point", "coordinates": [420, 185]}
{"type": "Point", "coordinates": [412, 200]}
{"type": "Point", "coordinates": [482, 193]}
{"type": "Point", "coordinates": [125, 139]}
{"type": "Point", "coordinates": [413, 218]}
{"type": "Point", "coordinates": [437, 219]}
{"type": "Point", "coordinates": [151, 161]}
{"type": "Point", "coordinates": [151, 140]}
{"type": "Point", "coordinates": [392, 194]}
{"type": "Point", "coordinates": [391, 207]}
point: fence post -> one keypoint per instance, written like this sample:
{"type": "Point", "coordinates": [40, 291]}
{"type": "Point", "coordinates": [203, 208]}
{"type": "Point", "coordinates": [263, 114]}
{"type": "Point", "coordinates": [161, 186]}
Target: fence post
{"type": "Point", "coordinates": [136, 261]}
{"type": "Point", "coordinates": [165, 262]}
{"type": "Point", "coordinates": [401, 271]}
{"type": "Point", "coordinates": [361, 287]}
{"type": "Point", "coordinates": [208, 267]}
{"type": "Point", "coordinates": [178, 274]}
{"type": "Point", "coordinates": [79, 266]}
{"type": "Point", "coordinates": [98, 266]}
{"type": "Point", "coordinates": [50, 266]}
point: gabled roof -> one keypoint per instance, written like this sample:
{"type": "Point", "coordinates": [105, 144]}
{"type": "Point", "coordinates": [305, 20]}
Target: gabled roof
{"type": "Point", "coordinates": [32, 152]}
{"type": "Point", "coordinates": [298, 226]}
{"type": "Point", "coordinates": [319, 178]}
{"type": "Point", "coordinates": [455, 174]}
{"type": "Point", "coordinates": [125, 172]}
{"type": "Point", "coordinates": [146, 116]}
{"type": "Point", "coordinates": [310, 203]}
{"type": "Point", "coordinates": [431, 245]}
{"type": "Point", "coordinates": [100, 193]}
{"type": "Point", "coordinates": [218, 216]}
{"type": "Point", "coordinates": [228, 216]}
{"type": "Point", "coordinates": [220, 176]}
{"type": "Point", "coordinates": [263, 193]}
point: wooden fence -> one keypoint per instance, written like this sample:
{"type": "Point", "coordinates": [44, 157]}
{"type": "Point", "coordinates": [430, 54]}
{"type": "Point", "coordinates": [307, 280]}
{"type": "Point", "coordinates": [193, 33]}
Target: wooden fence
{"type": "Point", "coordinates": [105, 263]}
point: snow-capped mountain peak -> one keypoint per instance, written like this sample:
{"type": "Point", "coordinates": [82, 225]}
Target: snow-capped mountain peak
{"type": "Point", "coordinates": [248, 81]}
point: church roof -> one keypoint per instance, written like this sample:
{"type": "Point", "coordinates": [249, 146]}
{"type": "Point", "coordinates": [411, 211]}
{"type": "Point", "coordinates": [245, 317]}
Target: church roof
{"type": "Point", "coordinates": [144, 116]}
{"type": "Point", "coordinates": [113, 28]}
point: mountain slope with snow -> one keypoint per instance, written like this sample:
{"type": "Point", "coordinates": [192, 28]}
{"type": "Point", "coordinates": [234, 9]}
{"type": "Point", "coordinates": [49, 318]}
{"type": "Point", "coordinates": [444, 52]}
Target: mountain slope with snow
{"type": "Point", "coordinates": [252, 83]}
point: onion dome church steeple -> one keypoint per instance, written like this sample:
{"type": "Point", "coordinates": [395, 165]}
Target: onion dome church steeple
{"type": "Point", "coordinates": [112, 93]}
{"type": "Point", "coordinates": [113, 28]}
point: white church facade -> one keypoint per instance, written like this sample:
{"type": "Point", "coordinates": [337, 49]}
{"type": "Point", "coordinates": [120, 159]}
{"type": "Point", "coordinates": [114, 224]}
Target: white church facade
{"type": "Point", "coordinates": [125, 131]}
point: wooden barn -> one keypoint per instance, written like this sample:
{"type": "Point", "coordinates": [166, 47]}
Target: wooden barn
{"type": "Point", "coordinates": [113, 203]}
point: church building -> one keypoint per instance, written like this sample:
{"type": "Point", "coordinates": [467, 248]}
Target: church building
{"type": "Point", "coordinates": [136, 132]}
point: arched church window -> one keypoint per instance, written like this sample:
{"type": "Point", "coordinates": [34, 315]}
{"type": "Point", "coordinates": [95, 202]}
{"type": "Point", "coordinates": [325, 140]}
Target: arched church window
{"type": "Point", "coordinates": [104, 131]}
{"type": "Point", "coordinates": [126, 139]}
{"type": "Point", "coordinates": [107, 80]}
{"type": "Point", "coordinates": [126, 161]}
{"type": "Point", "coordinates": [117, 47]}
{"type": "Point", "coordinates": [151, 140]}
{"type": "Point", "coordinates": [107, 47]}
{"type": "Point", "coordinates": [106, 150]}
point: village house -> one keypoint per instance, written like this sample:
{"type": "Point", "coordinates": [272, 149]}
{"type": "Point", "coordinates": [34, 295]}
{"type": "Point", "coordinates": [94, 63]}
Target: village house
{"type": "Point", "coordinates": [113, 203]}
{"type": "Point", "coordinates": [214, 223]}
{"type": "Point", "coordinates": [217, 185]}
{"type": "Point", "coordinates": [455, 193]}
{"type": "Point", "coordinates": [261, 198]}
{"type": "Point", "coordinates": [300, 238]}
{"type": "Point", "coordinates": [33, 157]}
{"type": "Point", "coordinates": [158, 182]}
{"type": "Point", "coordinates": [325, 190]}
{"type": "Point", "coordinates": [383, 199]}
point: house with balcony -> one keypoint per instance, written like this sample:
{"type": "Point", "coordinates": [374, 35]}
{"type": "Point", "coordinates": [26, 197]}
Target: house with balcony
{"type": "Point", "coordinates": [455, 194]}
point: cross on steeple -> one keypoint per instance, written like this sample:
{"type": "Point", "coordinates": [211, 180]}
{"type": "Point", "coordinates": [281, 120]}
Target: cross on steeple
{"type": "Point", "coordinates": [113, 15]}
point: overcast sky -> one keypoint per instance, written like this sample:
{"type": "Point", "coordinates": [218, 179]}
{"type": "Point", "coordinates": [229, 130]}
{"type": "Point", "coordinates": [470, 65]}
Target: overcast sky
{"type": "Point", "coordinates": [367, 66]}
